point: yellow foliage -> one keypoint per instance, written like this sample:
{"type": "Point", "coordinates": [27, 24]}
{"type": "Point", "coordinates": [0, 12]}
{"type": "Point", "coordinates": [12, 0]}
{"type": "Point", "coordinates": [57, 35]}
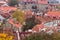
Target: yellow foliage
{"type": "Point", "coordinates": [11, 38]}
{"type": "Point", "coordinates": [19, 15]}
{"type": "Point", "coordinates": [3, 35]}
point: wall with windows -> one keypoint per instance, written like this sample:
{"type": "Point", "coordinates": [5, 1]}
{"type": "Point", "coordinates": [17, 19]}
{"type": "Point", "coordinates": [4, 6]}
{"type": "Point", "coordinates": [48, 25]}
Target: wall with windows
{"type": "Point", "coordinates": [53, 23]}
{"type": "Point", "coordinates": [53, 1]}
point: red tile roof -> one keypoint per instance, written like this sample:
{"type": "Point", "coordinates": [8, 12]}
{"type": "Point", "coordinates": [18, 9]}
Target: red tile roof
{"type": "Point", "coordinates": [6, 9]}
{"type": "Point", "coordinates": [17, 24]}
{"type": "Point", "coordinates": [28, 12]}
{"type": "Point", "coordinates": [37, 27]}
{"type": "Point", "coordinates": [43, 20]}
{"type": "Point", "coordinates": [53, 13]}
{"type": "Point", "coordinates": [5, 15]}
{"type": "Point", "coordinates": [42, 2]}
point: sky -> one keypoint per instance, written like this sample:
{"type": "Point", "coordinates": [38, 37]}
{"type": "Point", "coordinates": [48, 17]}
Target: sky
{"type": "Point", "coordinates": [59, 0]}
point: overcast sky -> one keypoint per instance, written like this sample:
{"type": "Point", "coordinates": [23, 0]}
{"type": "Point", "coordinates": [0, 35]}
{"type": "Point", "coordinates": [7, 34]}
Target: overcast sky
{"type": "Point", "coordinates": [59, 0]}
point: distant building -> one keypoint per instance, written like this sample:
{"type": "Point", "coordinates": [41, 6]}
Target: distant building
{"type": "Point", "coordinates": [53, 2]}
{"type": "Point", "coordinates": [59, 1]}
{"type": "Point", "coordinates": [3, 2]}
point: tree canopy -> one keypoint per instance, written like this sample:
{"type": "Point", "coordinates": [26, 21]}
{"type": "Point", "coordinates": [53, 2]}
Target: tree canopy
{"type": "Point", "coordinates": [19, 15]}
{"type": "Point", "coordinates": [43, 36]}
{"type": "Point", "coordinates": [30, 23]}
{"type": "Point", "coordinates": [13, 2]}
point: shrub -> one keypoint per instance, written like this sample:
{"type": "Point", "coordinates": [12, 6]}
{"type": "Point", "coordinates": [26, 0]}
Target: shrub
{"type": "Point", "coordinates": [43, 36]}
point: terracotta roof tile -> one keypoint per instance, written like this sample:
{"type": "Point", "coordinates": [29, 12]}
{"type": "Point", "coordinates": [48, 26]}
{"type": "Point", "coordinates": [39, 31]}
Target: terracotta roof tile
{"type": "Point", "coordinates": [7, 8]}
{"type": "Point", "coordinates": [36, 28]}
{"type": "Point", "coordinates": [5, 11]}
{"type": "Point", "coordinates": [53, 13]}
{"type": "Point", "coordinates": [42, 2]}
{"type": "Point", "coordinates": [28, 12]}
{"type": "Point", "coordinates": [11, 21]}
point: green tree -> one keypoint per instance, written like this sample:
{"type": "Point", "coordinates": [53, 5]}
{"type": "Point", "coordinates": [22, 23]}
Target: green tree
{"type": "Point", "coordinates": [13, 2]}
{"type": "Point", "coordinates": [19, 15]}
{"type": "Point", "coordinates": [30, 23]}
{"type": "Point", "coordinates": [40, 36]}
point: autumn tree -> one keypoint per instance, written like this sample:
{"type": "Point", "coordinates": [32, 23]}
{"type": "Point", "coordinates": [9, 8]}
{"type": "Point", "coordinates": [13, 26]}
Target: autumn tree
{"type": "Point", "coordinates": [19, 15]}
